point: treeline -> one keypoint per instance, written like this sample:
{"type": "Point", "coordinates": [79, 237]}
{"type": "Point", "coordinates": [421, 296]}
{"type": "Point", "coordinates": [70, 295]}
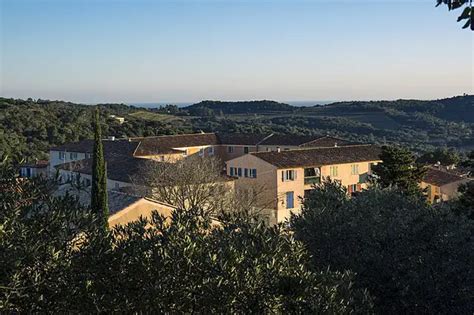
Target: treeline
{"type": "Point", "coordinates": [28, 128]}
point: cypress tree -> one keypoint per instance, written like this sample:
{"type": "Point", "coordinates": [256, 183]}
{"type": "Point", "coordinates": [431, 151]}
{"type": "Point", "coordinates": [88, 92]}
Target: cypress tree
{"type": "Point", "coordinates": [99, 203]}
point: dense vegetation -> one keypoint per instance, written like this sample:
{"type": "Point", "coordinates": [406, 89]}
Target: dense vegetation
{"type": "Point", "coordinates": [28, 128]}
{"type": "Point", "coordinates": [380, 251]}
{"type": "Point", "coordinates": [56, 258]}
{"type": "Point", "coordinates": [412, 257]}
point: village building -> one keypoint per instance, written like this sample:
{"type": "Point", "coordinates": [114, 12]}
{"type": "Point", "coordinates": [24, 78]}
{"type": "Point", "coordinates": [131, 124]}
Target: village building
{"type": "Point", "coordinates": [289, 175]}
{"type": "Point", "coordinates": [442, 184]}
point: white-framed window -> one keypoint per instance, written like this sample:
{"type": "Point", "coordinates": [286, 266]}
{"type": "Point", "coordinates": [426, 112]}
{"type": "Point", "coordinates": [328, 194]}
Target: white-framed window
{"type": "Point", "coordinates": [239, 172]}
{"type": "Point", "coordinates": [62, 155]}
{"type": "Point", "coordinates": [246, 150]}
{"type": "Point", "coordinates": [230, 149]}
{"type": "Point", "coordinates": [288, 175]}
{"type": "Point", "coordinates": [73, 156]}
{"type": "Point", "coordinates": [355, 169]}
{"type": "Point", "coordinates": [246, 172]}
{"type": "Point", "coordinates": [211, 151]}
{"type": "Point", "coordinates": [333, 171]}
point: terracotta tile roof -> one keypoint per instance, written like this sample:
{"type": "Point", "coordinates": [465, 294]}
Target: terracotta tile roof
{"type": "Point", "coordinates": [276, 139]}
{"type": "Point", "coordinates": [241, 138]}
{"type": "Point", "coordinates": [320, 156]}
{"type": "Point", "coordinates": [327, 142]}
{"type": "Point", "coordinates": [38, 164]}
{"type": "Point", "coordinates": [146, 146]}
{"type": "Point", "coordinates": [439, 177]}
{"type": "Point", "coordinates": [168, 144]}
{"type": "Point", "coordinates": [117, 200]}
{"type": "Point", "coordinates": [120, 146]}
{"type": "Point", "coordinates": [119, 167]}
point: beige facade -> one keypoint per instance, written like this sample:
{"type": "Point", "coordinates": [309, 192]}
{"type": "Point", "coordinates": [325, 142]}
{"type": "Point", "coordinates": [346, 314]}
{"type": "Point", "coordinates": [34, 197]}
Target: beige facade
{"type": "Point", "coordinates": [141, 208]}
{"type": "Point", "coordinates": [285, 187]}
{"type": "Point", "coordinates": [446, 192]}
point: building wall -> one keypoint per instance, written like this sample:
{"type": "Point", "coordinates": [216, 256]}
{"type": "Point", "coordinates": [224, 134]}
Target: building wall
{"type": "Point", "coordinates": [143, 207]}
{"type": "Point", "coordinates": [446, 192]}
{"type": "Point", "coordinates": [31, 172]}
{"type": "Point", "coordinates": [275, 148]}
{"type": "Point", "coordinates": [222, 151]}
{"type": "Point", "coordinates": [264, 184]}
{"type": "Point", "coordinates": [111, 184]}
{"type": "Point", "coordinates": [55, 160]}
{"type": "Point", "coordinates": [276, 189]}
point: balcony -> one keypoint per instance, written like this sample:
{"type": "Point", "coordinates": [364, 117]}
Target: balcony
{"type": "Point", "coordinates": [312, 180]}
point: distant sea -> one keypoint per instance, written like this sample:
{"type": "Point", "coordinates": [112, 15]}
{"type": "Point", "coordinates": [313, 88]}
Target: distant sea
{"type": "Point", "coordinates": [184, 104]}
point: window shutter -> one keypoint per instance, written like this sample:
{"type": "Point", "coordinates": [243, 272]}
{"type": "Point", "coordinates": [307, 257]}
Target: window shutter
{"type": "Point", "coordinates": [282, 176]}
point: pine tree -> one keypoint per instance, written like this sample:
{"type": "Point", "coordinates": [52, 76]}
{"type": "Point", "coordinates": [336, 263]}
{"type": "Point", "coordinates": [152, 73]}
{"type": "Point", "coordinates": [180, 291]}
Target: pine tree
{"type": "Point", "coordinates": [99, 202]}
{"type": "Point", "coordinates": [399, 169]}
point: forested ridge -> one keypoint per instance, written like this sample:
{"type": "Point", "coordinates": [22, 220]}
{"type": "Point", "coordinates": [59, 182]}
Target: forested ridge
{"type": "Point", "coordinates": [29, 127]}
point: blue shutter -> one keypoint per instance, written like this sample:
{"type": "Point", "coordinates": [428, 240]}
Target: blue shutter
{"type": "Point", "coordinates": [240, 171]}
{"type": "Point", "coordinates": [290, 200]}
{"type": "Point", "coordinates": [231, 171]}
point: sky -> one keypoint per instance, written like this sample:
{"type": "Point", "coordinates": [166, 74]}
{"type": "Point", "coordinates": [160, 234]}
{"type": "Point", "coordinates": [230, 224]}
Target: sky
{"type": "Point", "coordinates": [92, 51]}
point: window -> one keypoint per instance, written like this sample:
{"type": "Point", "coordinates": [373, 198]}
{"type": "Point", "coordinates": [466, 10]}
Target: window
{"type": "Point", "coordinates": [333, 171]}
{"type": "Point", "coordinates": [239, 172]}
{"type": "Point", "coordinates": [117, 186]}
{"type": "Point", "coordinates": [162, 158]}
{"type": "Point", "coordinates": [288, 175]}
{"type": "Point", "coordinates": [73, 155]}
{"type": "Point", "coordinates": [211, 151]}
{"type": "Point", "coordinates": [62, 155]}
{"type": "Point", "coordinates": [231, 171]}
{"type": "Point", "coordinates": [246, 172]}
{"type": "Point", "coordinates": [230, 149]}
{"type": "Point", "coordinates": [246, 150]}
{"type": "Point", "coordinates": [185, 152]}
{"type": "Point", "coordinates": [290, 200]}
{"type": "Point", "coordinates": [201, 152]}
{"type": "Point", "coordinates": [355, 169]}
{"type": "Point", "coordinates": [254, 173]}
{"type": "Point", "coordinates": [352, 188]}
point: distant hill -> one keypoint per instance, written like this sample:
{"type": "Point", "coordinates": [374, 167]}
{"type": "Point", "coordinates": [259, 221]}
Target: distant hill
{"type": "Point", "coordinates": [206, 108]}
{"type": "Point", "coordinates": [458, 108]}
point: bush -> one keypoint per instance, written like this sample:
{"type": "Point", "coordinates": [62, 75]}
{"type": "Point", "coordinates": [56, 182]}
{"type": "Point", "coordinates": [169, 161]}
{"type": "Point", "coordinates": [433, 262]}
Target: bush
{"type": "Point", "coordinates": [412, 257]}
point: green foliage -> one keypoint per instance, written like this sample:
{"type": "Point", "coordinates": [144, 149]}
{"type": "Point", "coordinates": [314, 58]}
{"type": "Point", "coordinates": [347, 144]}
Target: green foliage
{"type": "Point", "coordinates": [56, 259]}
{"type": "Point", "coordinates": [465, 202]}
{"type": "Point", "coordinates": [444, 156]}
{"type": "Point", "coordinates": [29, 128]}
{"type": "Point", "coordinates": [398, 169]}
{"type": "Point", "coordinates": [37, 233]}
{"type": "Point", "coordinates": [209, 108]}
{"type": "Point", "coordinates": [412, 257]}
{"type": "Point", "coordinates": [99, 202]}
{"type": "Point", "coordinates": [467, 14]}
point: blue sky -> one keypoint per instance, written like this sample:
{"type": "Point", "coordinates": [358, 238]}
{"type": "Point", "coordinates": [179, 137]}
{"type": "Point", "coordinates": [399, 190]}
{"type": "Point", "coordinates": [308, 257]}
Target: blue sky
{"type": "Point", "coordinates": [185, 51]}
